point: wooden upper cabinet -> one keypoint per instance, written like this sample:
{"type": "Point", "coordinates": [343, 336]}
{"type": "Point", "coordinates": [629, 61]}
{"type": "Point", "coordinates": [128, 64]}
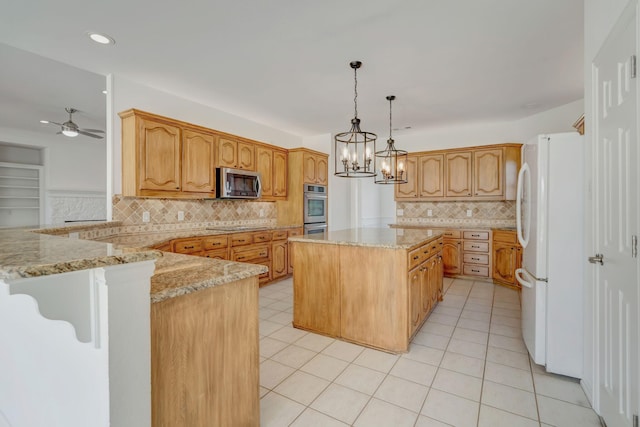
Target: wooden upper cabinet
{"type": "Point", "coordinates": [159, 156]}
{"type": "Point", "coordinates": [458, 174]}
{"type": "Point", "coordinates": [264, 165]}
{"type": "Point", "coordinates": [279, 173]}
{"type": "Point", "coordinates": [236, 154]}
{"type": "Point", "coordinates": [315, 169]}
{"type": "Point", "coordinates": [488, 172]}
{"type": "Point", "coordinates": [474, 173]}
{"type": "Point", "coordinates": [410, 189]}
{"type": "Point", "coordinates": [245, 156]}
{"type": "Point", "coordinates": [431, 174]}
{"type": "Point", "coordinates": [198, 162]}
{"type": "Point", "coordinates": [322, 170]}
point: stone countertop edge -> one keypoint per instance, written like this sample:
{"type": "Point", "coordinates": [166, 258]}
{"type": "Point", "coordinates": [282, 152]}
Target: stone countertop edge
{"type": "Point", "coordinates": [178, 274]}
{"type": "Point", "coordinates": [421, 237]}
{"type": "Point", "coordinates": [456, 227]}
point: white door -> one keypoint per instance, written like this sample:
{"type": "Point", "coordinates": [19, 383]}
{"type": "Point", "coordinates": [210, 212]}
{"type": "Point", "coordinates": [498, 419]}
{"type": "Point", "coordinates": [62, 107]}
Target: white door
{"type": "Point", "coordinates": [616, 221]}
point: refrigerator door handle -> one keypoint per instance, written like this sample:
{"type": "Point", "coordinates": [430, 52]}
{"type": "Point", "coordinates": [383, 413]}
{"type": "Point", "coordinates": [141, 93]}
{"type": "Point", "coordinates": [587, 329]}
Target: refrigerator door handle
{"type": "Point", "coordinates": [520, 227]}
{"type": "Point", "coordinates": [520, 272]}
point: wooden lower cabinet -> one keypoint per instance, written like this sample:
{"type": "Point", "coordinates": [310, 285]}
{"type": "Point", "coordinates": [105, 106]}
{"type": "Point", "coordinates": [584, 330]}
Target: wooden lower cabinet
{"type": "Point", "coordinates": [279, 259]}
{"type": "Point", "coordinates": [316, 290]}
{"type": "Point", "coordinates": [379, 304]}
{"type": "Point", "coordinates": [204, 357]}
{"type": "Point", "coordinates": [452, 257]}
{"type": "Point", "coordinates": [507, 257]}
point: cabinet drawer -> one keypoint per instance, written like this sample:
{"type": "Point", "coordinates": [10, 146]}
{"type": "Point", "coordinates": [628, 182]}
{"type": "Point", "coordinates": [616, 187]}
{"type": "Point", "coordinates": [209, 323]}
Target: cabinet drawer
{"type": "Point", "coordinates": [451, 234]}
{"type": "Point", "coordinates": [264, 277]}
{"type": "Point", "coordinates": [217, 242]}
{"type": "Point", "coordinates": [476, 259]}
{"type": "Point", "coordinates": [506, 236]}
{"type": "Point", "coordinates": [254, 253]}
{"type": "Point", "coordinates": [280, 235]}
{"type": "Point", "coordinates": [295, 232]}
{"type": "Point", "coordinates": [476, 246]}
{"type": "Point", "coordinates": [217, 254]}
{"type": "Point", "coordinates": [240, 239]}
{"type": "Point", "coordinates": [476, 235]}
{"type": "Point", "coordinates": [475, 270]}
{"type": "Point", "coordinates": [262, 237]}
{"type": "Point", "coordinates": [187, 246]}
{"type": "Point", "coordinates": [416, 256]}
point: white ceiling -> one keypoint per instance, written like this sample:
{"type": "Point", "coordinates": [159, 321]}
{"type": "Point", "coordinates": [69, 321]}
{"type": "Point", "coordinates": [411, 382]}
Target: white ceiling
{"type": "Point", "coordinates": [284, 63]}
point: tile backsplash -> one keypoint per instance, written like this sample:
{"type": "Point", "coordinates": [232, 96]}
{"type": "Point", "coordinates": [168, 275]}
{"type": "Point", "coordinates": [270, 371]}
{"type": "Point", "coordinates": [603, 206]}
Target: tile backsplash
{"type": "Point", "coordinates": [443, 213]}
{"type": "Point", "coordinates": [129, 211]}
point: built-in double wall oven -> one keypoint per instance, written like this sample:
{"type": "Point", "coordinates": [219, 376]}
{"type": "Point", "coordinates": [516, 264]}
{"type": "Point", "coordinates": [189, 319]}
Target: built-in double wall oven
{"type": "Point", "coordinates": [315, 208]}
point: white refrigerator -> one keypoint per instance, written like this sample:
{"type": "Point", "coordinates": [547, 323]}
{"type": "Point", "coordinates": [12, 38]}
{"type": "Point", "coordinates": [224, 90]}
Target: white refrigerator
{"type": "Point", "coordinates": [550, 218]}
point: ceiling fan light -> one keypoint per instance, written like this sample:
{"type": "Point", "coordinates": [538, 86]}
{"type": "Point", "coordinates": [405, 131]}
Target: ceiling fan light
{"type": "Point", "coordinates": [69, 132]}
{"type": "Point", "coordinates": [44, 121]}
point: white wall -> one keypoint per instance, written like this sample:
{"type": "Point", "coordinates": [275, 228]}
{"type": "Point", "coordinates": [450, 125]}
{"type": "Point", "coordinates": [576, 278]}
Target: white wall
{"type": "Point", "coordinates": [600, 17]}
{"type": "Point", "coordinates": [127, 94]}
{"type": "Point", "coordinates": [70, 164]}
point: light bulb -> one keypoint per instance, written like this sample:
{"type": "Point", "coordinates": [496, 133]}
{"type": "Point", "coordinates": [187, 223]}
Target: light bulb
{"type": "Point", "coordinates": [69, 132]}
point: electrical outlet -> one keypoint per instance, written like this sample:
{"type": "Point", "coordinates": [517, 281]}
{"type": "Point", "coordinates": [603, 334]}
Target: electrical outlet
{"type": "Point", "coordinates": [180, 215]}
{"type": "Point", "coordinates": [146, 217]}
{"type": "Point", "coordinates": [429, 212]}
{"type": "Point", "coordinates": [399, 212]}
{"type": "Point", "coordinates": [261, 213]}
{"type": "Point", "coordinates": [469, 212]}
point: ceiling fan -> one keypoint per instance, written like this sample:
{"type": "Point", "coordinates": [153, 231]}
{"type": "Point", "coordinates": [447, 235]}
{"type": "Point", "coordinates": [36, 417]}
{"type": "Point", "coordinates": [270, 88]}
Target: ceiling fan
{"type": "Point", "coordinates": [69, 128]}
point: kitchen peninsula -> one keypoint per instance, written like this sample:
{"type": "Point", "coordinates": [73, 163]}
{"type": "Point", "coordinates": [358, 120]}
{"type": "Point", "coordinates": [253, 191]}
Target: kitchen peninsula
{"type": "Point", "coordinates": [371, 286]}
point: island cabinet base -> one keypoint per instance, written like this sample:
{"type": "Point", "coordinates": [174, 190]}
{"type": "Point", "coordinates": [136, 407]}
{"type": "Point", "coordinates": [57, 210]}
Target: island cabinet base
{"type": "Point", "coordinates": [363, 294]}
{"type": "Point", "coordinates": [204, 357]}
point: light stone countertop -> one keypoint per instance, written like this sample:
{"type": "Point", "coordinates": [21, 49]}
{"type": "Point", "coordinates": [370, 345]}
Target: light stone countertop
{"type": "Point", "coordinates": [30, 253]}
{"type": "Point", "coordinates": [449, 227]}
{"type": "Point", "coordinates": [390, 238]}
{"type": "Point", "coordinates": [24, 253]}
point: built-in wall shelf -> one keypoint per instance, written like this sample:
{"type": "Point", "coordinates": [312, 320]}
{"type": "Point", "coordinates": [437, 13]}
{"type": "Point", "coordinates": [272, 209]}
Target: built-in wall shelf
{"type": "Point", "coordinates": [21, 195]}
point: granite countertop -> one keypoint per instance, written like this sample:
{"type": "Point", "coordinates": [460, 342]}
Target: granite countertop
{"type": "Point", "coordinates": [178, 274]}
{"type": "Point", "coordinates": [455, 227]}
{"type": "Point", "coordinates": [27, 254]}
{"type": "Point", "coordinates": [390, 238]}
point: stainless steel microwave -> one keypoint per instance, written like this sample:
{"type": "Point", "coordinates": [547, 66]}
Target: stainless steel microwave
{"type": "Point", "coordinates": [237, 184]}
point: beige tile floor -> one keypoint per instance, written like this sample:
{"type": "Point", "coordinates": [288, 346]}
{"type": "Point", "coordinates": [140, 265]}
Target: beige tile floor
{"type": "Point", "coordinates": [467, 366]}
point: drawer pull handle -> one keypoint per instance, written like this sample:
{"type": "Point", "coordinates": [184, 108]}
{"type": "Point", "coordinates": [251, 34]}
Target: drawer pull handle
{"type": "Point", "coordinates": [189, 247]}
{"type": "Point", "coordinates": [475, 271]}
{"type": "Point", "coordinates": [241, 257]}
{"type": "Point", "coordinates": [476, 259]}
{"type": "Point", "coordinates": [475, 235]}
{"type": "Point", "coordinates": [240, 240]}
{"type": "Point", "coordinates": [476, 247]}
{"type": "Point", "coordinates": [416, 257]}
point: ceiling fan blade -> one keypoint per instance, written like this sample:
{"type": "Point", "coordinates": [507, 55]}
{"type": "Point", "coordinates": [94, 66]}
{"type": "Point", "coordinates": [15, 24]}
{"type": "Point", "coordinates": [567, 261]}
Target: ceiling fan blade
{"type": "Point", "coordinates": [82, 132]}
{"type": "Point", "coordinates": [92, 130]}
{"type": "Point", "coordinates": [54, 123]}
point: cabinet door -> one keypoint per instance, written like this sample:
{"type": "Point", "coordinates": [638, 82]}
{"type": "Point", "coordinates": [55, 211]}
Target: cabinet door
{"type": "Point", "coordinates": [440, 275]}
{"type": "Point", "coordinates": [410, 189]}
{"type": "Point", "coordinates": [198, 166]}
{"type": "Point", "coordinates": [434, 281]}
{"type": "Point", "coordinates": [488, 172]}
{"type": "Point", "coordinates": [452, 257]}
{"type": "Point", "coordinates": [504, 262]}
{"type": "Point", "coordinates": [246, 152]}
{"type": "Point", "coordinates": [309, 169]}
{"type": "Point", "coordinates": [322, 170]}
{"type": "Point", "coordinates": [279, 264]}
{"type": "Point", "coordinates": [227, 153]}
{"type": "Point", "coordinates": [458, 174]}
{"type": "Point", "coordinates": [425, 287]}
{"type": "Point", "coordinates": [415, 302]}
{"type": "Point", "coordinates": [279, 173]}
{"type": "Point", "coordinates": [264, 165]}
{"type": "Point", "coordinates": [431, 174]}
{"type": "Point", "coordinates": [160, 156]}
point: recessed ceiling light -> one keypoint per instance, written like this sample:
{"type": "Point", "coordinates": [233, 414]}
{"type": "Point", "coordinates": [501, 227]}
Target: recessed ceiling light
{"type": "Point", "coordinates": [44, 121]}
{"type": "Point", "coordinates": [101, 38]}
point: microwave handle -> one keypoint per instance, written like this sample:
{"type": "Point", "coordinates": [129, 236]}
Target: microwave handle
{"type": "Point", "coordinates": [256, 185]}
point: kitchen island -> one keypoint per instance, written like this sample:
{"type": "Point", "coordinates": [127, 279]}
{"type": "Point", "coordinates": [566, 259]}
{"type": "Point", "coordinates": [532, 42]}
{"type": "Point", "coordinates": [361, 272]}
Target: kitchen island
{"type": "Point", "coordinates": [370, 286]}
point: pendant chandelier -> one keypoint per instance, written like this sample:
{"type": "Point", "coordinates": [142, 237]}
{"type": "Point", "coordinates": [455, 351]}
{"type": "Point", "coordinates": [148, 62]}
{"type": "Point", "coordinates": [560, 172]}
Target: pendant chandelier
{"type": "Point", "coordinates": [392, 163]}
{"type": "Point", "coordinates": [354, 150]}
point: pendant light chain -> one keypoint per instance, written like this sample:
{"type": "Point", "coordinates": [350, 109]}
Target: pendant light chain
{"type": "Point", "coordinates": [355, 91]}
